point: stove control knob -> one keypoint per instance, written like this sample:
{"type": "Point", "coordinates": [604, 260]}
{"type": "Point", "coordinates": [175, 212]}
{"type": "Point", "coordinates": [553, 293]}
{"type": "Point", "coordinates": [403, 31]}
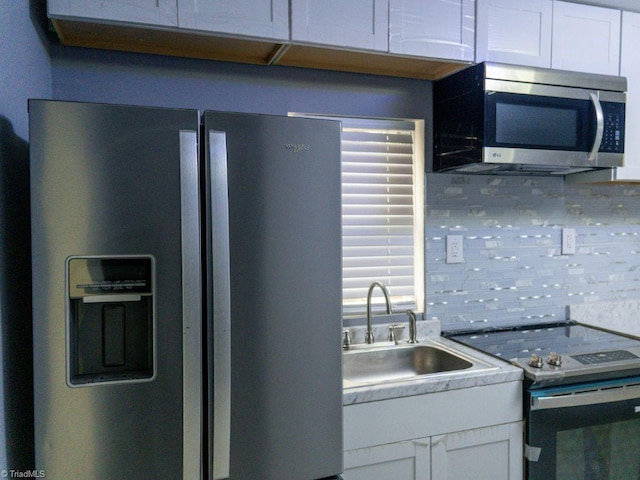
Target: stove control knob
{"type": "Point", "coordinates": [536, 361]}
{"type": "Point", "coordinates": [554, 359]}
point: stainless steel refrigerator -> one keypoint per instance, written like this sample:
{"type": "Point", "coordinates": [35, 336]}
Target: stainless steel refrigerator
{"type": "Point", "coordinates": [186, 293]}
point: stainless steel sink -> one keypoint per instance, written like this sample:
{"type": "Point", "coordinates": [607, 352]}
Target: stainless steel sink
{"type": "Point", "coordinates": [387, 364]}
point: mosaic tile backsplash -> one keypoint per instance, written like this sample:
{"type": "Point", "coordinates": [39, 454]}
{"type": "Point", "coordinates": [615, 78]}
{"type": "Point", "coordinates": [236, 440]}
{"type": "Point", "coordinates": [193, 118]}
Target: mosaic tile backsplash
{"type": "Point", "coordinates": [514, 271]}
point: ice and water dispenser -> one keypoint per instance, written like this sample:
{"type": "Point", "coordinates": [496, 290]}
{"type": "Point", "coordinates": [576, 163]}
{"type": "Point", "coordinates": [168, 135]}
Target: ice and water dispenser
{"type": "Point", "coordinates": [110, 319]}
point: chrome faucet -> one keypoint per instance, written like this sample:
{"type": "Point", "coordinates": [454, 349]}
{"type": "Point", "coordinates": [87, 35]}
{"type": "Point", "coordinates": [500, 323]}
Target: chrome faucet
{"type": "Point", "coordinates": [413, 335]}
{"type": "Point", "coordinates": [368, 338]}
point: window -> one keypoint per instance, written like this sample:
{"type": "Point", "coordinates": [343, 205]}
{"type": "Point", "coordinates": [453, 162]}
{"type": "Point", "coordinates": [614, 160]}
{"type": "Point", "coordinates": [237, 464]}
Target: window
{"type": "Point", "coordinates": [382, 212]}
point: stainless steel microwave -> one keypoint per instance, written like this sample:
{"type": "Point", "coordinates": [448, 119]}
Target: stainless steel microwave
{"type": "Point", "coordinates": [505, 119]}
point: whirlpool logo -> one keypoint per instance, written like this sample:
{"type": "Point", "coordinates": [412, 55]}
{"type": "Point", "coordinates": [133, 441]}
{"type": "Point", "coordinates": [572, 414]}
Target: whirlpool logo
{"type": "Point", "coordinates": [298, 147]}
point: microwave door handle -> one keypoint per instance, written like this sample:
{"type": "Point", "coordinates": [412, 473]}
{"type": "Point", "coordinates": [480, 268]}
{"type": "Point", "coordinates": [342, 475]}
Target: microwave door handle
{"type": "Point", "coordinates": [599, 126]}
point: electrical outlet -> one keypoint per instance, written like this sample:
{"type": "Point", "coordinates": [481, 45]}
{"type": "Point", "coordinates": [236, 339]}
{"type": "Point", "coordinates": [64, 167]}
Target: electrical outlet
{"type": "Point", "coordinates": [568, 241]}
{"type": "Point", "coordinates": [454, 249]}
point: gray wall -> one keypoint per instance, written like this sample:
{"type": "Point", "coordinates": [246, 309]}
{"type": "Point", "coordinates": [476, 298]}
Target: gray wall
{"type": "Point", "coordinates": [113, 77]}
{"type": "Point", "coordinates": [25, 72]}
{"type": "Point", "coordinates": [25, 68]}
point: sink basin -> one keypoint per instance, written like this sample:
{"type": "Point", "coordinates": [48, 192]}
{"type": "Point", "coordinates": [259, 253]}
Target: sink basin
{"type": "Point", "coordinates": [386, 364]}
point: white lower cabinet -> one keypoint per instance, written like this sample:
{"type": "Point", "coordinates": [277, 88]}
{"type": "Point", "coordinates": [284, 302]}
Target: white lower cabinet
{"type": "Point", "coordinates": [409, 460]}
{"type": "Point", "coordinates": [489, 453]}
{"type": "Point", "coordinates": [468, 434]}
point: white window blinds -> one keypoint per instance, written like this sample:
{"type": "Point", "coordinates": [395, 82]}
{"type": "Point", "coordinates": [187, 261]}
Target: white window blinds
{"type": "Point", "coordinates": [382, 225]}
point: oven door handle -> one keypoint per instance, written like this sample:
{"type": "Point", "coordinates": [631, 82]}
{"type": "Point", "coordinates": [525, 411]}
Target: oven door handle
{"type": "Point", "coordinates": [592, 397]}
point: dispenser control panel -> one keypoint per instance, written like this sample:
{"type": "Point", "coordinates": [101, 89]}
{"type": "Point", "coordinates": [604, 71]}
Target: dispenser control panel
{"type": "Point", "coordinates": [105, 276]}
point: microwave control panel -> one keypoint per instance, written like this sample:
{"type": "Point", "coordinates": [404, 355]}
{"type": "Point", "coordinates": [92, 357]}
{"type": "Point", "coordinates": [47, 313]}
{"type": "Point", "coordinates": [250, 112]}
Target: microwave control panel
{"type": "Point", "coordinates": [613, 136]}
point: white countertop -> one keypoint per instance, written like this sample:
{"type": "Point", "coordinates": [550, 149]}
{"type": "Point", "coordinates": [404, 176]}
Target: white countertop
{"type": "Point", "coordinates": [620, 316]}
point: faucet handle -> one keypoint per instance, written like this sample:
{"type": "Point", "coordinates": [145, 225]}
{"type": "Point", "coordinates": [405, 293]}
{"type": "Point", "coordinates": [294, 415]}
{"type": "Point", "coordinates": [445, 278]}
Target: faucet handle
{"type": "Point", "coordinates": [346, 339]}
{"type": "Point", "coordinates": [413, 334]}
{"type": "Point", "coordinates": [392, 332]}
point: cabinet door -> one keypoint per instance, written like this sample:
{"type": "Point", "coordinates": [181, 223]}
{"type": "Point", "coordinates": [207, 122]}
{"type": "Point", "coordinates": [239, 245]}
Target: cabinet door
{"type": "Point", "coordinates": [586, 38]}
{"type": "Point", "coordinates": [253, 18]}
{"type": "Point", "coordinates": [489, 453]}
{"type": "Point", "coordinates": [514, 31]}
{"type": "Point", "coordinates": [630, 68]}
{"type": "Point", "coordinates": [433, 28]}
{"type": "Point", "coordinates": [395, 461]}
{"type": "Point", "coordinates": [356, 23]}
{"type": "Point", "coordinates": [152, 12]}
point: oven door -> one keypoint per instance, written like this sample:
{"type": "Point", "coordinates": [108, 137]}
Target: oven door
{"type": "Point", "coordinates": [584, 432]}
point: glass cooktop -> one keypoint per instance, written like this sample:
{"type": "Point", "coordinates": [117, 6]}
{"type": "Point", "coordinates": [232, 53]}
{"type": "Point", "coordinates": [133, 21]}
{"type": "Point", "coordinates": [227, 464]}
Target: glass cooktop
{"type": "Point", "coordinates": [566, 339]}
{"type": "Point", "coordinates": [559, 353]}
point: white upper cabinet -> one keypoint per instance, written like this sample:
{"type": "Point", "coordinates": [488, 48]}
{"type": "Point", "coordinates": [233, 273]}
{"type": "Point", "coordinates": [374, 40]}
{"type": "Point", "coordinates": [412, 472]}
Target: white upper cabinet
{"type": "Point", "coordinates": [585, 38]}
{"type": "Point", "coordinates": [514, 31]}
{"type": "Point", "coordinates": [252, 18]}
{"type": "Point", "coordinates": [630, 68]}
{"type": "Point", "coordinates": [433, 28]}
{"type": "Point", "coordinates": [151, 12]}
{"type": "Point", "coordinates": [362, 24]}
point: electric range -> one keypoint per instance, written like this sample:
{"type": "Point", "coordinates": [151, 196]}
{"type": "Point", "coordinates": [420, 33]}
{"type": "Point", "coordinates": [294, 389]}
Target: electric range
{"type": "Point", "coordinates": [560, 353]}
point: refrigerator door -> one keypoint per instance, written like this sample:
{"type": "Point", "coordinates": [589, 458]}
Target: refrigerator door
{"type": "Point", "coordinates": [116, 291]}
{"type": "Point", "coordinates": [284, 203]}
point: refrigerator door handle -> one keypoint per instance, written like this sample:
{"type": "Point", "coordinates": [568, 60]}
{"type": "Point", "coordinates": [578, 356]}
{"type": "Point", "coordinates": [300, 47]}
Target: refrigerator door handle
{"type": "Point", "coordinates": [220, 291]}
{"type": "Point", "coordinates": [191, 306]}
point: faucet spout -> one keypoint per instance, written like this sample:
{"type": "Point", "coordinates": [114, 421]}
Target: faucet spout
{"type": "Point", "coordinates": [369, 335]}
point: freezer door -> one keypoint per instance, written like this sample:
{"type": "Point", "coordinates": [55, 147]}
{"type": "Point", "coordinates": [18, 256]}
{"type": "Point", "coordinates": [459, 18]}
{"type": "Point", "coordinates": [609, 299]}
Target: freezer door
{"type": "Point", "coordinates": [116, 188]}
{"type": "Point", "coordinates": [284, 296]}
